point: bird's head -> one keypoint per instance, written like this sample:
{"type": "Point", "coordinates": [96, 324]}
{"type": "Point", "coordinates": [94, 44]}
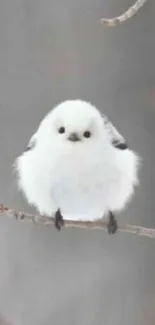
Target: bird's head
{"type": "Point", "coordinates": [73, 123]}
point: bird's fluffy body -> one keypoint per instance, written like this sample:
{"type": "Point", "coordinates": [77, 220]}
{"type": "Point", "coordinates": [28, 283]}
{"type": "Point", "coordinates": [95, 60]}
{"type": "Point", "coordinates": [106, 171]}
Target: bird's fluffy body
{"type": "Point", "coordinates": [85, 179]}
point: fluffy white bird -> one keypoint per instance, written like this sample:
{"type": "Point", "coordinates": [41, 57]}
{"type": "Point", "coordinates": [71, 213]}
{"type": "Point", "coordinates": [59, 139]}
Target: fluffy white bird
{"type": "Point", "coordinates": [77, 166]}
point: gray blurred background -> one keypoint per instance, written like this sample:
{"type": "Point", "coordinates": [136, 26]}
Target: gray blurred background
{"type": "Point", "coordinates": [50, 51]}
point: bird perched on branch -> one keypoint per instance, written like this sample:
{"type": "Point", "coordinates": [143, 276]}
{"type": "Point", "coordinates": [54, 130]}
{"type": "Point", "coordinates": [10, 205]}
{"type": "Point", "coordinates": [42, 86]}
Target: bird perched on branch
{"type": "Point", "coordinates": [77, 166]}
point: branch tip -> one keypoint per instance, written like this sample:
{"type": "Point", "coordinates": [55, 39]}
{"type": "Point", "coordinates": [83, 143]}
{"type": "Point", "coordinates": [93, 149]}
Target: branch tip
{"type": "Point", "coordinates": [125, 16]}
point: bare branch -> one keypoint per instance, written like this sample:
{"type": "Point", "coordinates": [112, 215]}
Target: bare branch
{"type": "Point", "coordinates": [125, 16]}
{"type": "Point", "coordinates": [101, 224]}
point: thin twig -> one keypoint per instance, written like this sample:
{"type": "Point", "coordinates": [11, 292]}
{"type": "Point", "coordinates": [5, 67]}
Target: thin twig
{"type": "Point", "coordinates": [125, 16]}
{"type": "Point", "coordinates": [102, 224]}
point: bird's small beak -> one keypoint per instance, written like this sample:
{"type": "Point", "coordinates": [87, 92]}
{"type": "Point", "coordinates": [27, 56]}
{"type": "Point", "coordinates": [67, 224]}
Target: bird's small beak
{"type": "Point", "coordinates": [74, 137]}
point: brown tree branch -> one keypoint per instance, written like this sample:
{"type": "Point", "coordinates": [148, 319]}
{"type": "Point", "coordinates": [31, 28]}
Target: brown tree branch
{"type": "Point", "coordinates": [101, 224]}
{"type": "Point", "coordinates": [125, 16]}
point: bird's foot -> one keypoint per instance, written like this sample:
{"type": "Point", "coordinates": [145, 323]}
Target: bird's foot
{"type": "Point", "coordinates": [59, 222]}
{"type": "Point", "coordinates": [112, 224]}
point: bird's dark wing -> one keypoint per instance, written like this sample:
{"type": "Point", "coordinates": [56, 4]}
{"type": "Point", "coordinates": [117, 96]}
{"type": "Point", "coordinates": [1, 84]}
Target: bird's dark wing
{"type": "Point", "coordinates": [117, 140]}
{"type": "Point", "coordinates": [31, 145]}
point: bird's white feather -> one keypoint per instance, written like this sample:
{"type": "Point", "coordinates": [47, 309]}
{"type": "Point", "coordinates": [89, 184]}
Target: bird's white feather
{"type": "Point", "coordinates": [85, 179]}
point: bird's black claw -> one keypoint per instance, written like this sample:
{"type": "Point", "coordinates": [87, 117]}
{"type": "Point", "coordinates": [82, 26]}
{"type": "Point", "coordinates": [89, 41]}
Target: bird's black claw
{"type": "Point", "coordinates": [59, 222]}
{"type": "Point", "coordinates": [112, 224]}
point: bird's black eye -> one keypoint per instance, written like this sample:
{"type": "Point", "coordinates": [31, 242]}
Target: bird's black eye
{"type": "Point", "coordinates": [61, 130]}
{"type": "Point", "coordinates": [87, 134]}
